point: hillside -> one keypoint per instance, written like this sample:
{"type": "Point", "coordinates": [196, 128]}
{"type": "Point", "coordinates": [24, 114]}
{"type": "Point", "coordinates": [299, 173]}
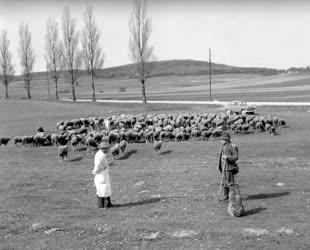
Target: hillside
{"type": "Point", "coordinates": [175, 67]}
{"type": "Point", "coordinates": [184, 68]}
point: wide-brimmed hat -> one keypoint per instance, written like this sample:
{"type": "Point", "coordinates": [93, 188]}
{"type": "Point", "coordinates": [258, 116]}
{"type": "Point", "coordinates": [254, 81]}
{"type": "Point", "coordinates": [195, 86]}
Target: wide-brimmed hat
{"type": "Point", "coordinates": [225, 136]}
{"type": "Point", "coordinates": [104, 145]}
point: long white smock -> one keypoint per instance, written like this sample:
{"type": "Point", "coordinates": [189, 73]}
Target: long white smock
{"type": "Point", "coordinates": [102, 177]}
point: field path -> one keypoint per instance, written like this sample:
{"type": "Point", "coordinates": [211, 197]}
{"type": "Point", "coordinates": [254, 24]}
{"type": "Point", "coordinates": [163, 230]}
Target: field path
{"type": "Point", "coordinates": [196, 102]}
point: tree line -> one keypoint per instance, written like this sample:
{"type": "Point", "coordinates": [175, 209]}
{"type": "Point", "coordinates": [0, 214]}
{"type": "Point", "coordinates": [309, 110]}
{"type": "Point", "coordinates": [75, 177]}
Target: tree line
{"type": "Point", "coordinates": [75, 49]}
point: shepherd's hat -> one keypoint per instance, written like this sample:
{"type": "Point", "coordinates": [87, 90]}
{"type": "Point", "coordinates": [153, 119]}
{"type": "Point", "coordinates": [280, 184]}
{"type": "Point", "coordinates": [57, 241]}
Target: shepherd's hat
{"type": "Point", "coordinates": [104, 145]}
{"type": "Point", "coordinates": [225, 136]}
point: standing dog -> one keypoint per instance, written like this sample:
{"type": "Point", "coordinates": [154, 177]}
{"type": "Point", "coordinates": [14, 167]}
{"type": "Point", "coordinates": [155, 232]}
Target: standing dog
{"type": "Point", "coordinates": [235, 207]}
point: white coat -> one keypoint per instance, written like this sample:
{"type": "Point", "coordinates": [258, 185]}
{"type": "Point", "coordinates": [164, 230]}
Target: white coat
{"type": "Point", "coordinates": [101, 172]}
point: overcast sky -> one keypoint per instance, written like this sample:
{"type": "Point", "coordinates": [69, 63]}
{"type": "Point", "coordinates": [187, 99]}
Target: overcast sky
{"type": "Point", "coordinates": [241, 33]}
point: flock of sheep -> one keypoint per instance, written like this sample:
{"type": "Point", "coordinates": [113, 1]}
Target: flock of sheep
{"type": "Point", "coordinates": [118, 130]}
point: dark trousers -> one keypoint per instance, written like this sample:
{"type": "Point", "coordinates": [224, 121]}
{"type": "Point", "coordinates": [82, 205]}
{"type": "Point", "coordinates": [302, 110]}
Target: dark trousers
{"type": "Point", "coordinates": [101, 201]}
{"type": "Point", "coordinates": [230, 178]}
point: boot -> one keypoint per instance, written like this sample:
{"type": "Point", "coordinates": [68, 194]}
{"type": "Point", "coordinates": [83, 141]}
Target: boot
{"type": "Point", "coordinates": [100, 201]}
{"type": "Point", "coordinates": [109, 203]}
{"type": "Point", "coordinates": [226, 193]}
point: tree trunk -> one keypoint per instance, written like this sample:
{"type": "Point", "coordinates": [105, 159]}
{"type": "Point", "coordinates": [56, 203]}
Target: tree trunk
{"type": "Point", "coordinates": [143, 91]}
{"type": "Point", "coordinates": [73, 92]}
{"type": "Point", "coordinates": [73, 86]}
{"type": "Point", "coordinates": [56, 89]}
{"type": "Point", "coordinates": [28, 91]}
{"type": "Point", "coordinates": [6, 90]}
{"type": "Point", "coordinates": [93, 95]}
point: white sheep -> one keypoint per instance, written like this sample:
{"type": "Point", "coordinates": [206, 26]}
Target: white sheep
{"type": "Point", "coordinates": [123, 145]}
{"type": "Point", "coordinates": [63, 152]}
{"type": "Point", "coordinates": [115, 150]}
{"type": "Point", "coordinates": [157, 146]}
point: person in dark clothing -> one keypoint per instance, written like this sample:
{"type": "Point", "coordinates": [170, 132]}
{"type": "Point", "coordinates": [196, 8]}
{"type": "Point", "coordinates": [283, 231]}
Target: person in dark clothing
{"type": "Point", "coordinates": [228, 162]}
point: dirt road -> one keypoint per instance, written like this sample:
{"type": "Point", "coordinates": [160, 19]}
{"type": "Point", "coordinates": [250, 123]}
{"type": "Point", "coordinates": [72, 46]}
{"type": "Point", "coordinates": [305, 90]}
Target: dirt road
{"type": "Point", "coordinates": [197, 102]}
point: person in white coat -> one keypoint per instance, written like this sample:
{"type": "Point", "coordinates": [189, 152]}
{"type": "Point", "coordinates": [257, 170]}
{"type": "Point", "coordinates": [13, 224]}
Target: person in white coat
{"type": "Point", "coordinates": [102, 177]}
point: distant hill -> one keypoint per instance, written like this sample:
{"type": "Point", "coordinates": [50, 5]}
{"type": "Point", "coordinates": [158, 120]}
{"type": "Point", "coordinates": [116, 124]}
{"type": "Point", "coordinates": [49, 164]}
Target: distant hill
{"type": "Point", "coordinates": [183, 68]}
{"type": "Point", "coordinates": [177, 67]}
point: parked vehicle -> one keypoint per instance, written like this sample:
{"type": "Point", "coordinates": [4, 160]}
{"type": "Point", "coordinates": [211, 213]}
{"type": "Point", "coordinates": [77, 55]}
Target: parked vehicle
{"type": "Point", "coordinates": [239, 107]}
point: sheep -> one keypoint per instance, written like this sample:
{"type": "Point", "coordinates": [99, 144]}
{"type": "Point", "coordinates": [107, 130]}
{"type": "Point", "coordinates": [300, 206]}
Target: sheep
{"type": "Point", "coordinates": [4, 141]}
{"type": "Point", "coordinates": [63, 152]}
{"type": "Point", "coordinates": [47, 139]}
{"type": "Point", "coordinates": [90, 142]}
{"type": "Point", "coordinates": [259, 127]}
{"type": "Point", "coordinates": [74, 142]}
{"type": "Point", "coordinates": [62, 139]}
{"type": "Point", "coordinates": [40, 129]}
{"type": "Point", "coordinates": [17, 140]}
{"type": "Point", "coordinates": [38, 139]}
{"type": "Point", "coordinates": [157, 146]}
{"type": "Point", "coordinates": [148, 136]}
{"type": "Point", "coordinates": [115, 150]}
{"type": "Point", "coordinates": [27, 140]}
{"type": "Point", "coordinates": [282, 122]}
{"type": "Point", "coordinates": [122, 146]}
{"type": "Point", "coordinates": [179, 136]}
{"type": "Point", "coordinates": [54, 139]}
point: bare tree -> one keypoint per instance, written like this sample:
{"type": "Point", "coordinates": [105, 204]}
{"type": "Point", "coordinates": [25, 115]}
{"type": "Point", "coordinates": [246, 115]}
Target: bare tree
{"type": "Point", "coordinates": [47, 65]}
{"type": "Point", "coordinates": [7, 69]}
{"type": "Point", "coordinates": [141, 53]}
{"type": "Point", "coordinates": [92, 52]}
{"type": "Point", "coordinates": [27, 57]}
{"type": "Point", "coordinates": [54, 52]}
{"type": "Point", "coordinates": [72, 54]}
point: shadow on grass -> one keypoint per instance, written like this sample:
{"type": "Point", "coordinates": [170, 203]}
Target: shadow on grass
{"type": "Point", "coordinates": [81, 149]}
{"type": "Point", "coordinates": [166, 152]}
{"type": "Point", "coordinates": [128, 154]}
{"type": "Point", "coordinates": [138, 203]}
{"type": "Point", "coordinates": [75, 159]}
{"type": "Point", "coordinates": [253, 211]}
{"type": "Point", "coordinates": [266, 196]}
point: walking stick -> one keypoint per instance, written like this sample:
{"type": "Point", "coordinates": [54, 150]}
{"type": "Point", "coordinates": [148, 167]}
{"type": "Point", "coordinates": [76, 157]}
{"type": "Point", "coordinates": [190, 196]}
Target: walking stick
{"type": "Point", "coordinates": [220, 190]}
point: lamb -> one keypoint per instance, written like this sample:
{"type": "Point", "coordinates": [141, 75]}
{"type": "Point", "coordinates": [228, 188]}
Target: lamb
{"type": "Point", "coordinates": [4, 141]}
{"type": "Point", "coordinates": [235, 207]}
{"type": "Point", "coordinates": [63, 152]}
{"type": "Point", "coordinates": [157, 146]}
{"type": "Point", "coordinates": [122, 146]}
{"type": "Point", "coordinates": [115, 150]}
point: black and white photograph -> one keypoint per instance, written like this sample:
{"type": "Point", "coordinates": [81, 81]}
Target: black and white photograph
{"type": "Point", "coordinates": [154, 124]}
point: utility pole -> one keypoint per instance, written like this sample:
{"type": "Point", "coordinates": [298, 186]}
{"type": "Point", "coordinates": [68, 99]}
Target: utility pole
{"type": "Point", "coordinates": [210, 73]}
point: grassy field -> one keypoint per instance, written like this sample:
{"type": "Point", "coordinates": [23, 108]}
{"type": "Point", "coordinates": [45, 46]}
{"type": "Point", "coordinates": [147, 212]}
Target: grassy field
{"type": "Point", "coordinates": [163, 202]}
{"type": "Point", "coordinates": [225, 87]}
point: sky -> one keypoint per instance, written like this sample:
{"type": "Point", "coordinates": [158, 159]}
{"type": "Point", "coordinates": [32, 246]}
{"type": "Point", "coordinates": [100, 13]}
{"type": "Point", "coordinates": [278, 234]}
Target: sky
{"type": "Point", "coordinates": [239, 32]}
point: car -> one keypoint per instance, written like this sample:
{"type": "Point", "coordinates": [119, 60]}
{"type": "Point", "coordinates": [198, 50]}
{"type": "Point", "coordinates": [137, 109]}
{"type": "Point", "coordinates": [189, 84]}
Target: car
{"type": "Point", "coordinates": [239, 107]}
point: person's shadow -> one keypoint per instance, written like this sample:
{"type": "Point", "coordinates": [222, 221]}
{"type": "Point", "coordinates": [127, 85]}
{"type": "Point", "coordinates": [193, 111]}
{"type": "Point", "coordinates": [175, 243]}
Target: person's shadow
{"type": "Point", "coordinates": [138, 203]}
{"type": "Point", "coordinates": [78, 158]}
{"type": "Point", "coordinates": [166, 152]}
{"type": "Point", "coordinates": [253, 211]}
{"type": "Point", "coordinates": [266, 196]}
{"type": "Point", "coordinates": [128, 154]}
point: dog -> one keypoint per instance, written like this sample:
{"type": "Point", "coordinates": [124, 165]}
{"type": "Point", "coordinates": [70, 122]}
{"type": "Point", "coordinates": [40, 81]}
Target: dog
{"type": "Point", "coordinates": [235, 207]}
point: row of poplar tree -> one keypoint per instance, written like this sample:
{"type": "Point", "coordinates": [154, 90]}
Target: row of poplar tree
{"type": "Point", "coordinates": [78, 50]}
